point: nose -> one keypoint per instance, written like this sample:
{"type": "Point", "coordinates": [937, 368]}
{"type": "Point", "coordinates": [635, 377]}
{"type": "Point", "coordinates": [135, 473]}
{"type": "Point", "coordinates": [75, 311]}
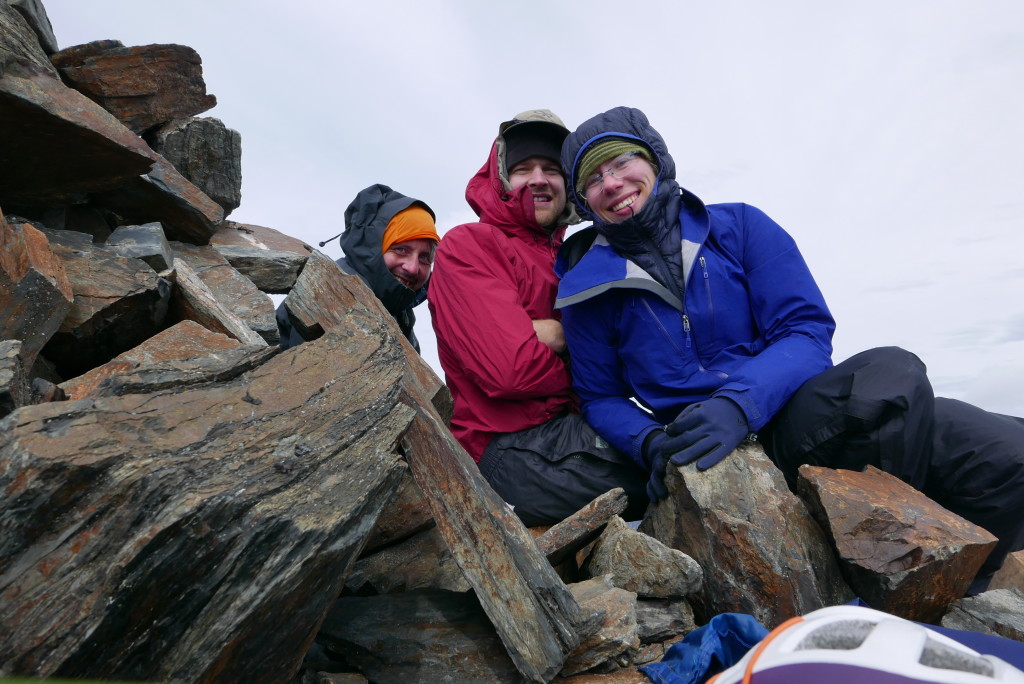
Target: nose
{"type": "Point", "coordinates": [610, 180]}
{"type": "Point", "coordinates": [409, 265]}
{"type": "Point", "coordinates": [537, 177]}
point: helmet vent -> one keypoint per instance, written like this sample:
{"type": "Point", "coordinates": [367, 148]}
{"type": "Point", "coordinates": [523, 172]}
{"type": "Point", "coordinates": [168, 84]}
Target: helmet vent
{"type": "Point", "coordinates": [846, 635]}
{"type": "Point", "coordinates": [945, 657]}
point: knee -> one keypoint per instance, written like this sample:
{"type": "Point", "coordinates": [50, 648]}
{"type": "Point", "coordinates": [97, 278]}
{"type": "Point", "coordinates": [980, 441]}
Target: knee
{"type": "Point", "coordinates": [895, 359]}
{"type": "Point", "coordinates": [902, 373]}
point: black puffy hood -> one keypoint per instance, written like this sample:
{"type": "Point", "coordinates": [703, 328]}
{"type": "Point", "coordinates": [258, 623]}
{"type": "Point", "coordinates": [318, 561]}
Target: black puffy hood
{"type": "Point", "coordinates": [366, 219]}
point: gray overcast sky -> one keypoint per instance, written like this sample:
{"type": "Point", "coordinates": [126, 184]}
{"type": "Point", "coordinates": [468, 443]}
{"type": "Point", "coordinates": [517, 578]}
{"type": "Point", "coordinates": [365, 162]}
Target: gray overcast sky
{"type": "Point", "coordinates": [887, 136]}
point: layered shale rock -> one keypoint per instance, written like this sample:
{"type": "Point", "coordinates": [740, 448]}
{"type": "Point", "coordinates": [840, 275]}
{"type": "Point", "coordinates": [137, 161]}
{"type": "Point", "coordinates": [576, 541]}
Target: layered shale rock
{"type": "Point", "coordinates": [760, 550]}
{"type": "Point", "coordinates": [183, 501]}
{"type": "Point", "coordinates": [901, 552]}
{"type": "Point", "coordinates": [196, 517]}
{"type": "Point", "coordinates": [142, 86]}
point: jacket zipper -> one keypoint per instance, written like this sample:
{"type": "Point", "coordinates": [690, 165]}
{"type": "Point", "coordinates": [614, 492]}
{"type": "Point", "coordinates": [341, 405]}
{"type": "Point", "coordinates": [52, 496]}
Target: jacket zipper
{"type": "Point", "coordinates": [707, 289]}
{"type": "Point", "coordinates": [671, 339]}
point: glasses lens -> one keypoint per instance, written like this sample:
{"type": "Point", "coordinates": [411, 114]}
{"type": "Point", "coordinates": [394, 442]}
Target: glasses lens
{"type": "Point", "coordinates": [615, 169]}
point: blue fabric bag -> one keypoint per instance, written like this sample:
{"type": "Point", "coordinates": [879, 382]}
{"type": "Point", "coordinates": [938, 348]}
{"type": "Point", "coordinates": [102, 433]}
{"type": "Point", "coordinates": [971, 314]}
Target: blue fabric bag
{"type": "Point", "coordinates": [707, 650]}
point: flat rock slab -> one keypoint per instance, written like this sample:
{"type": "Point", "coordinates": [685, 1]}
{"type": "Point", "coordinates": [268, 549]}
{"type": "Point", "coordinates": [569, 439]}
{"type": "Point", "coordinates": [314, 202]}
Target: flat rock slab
{"type": "Point", "coordinates": [142, 86]}
{"type": "Point", "coordinates": [38, 21]}
{"type": "Point", "coordinates": [165, 196]}
{"type": "Point", "coordinates": [146, 242]}
{"type": "Point", "coordinates": [1011, 575]}
{"type": "Point", "coordinates": [419, 637]}
{"type": "Point", "coordinates": [184, 340]}
{"type": "Point", "coordinates": [321, 295]}
{"type": "Point", "coordinates": [760, 549]}
{"type": "Point", "coordinates": [320, 300]}
{"type": "Point", "coordinates": [999, 612]}
{"type": "Point", "coordinates": [232, 233]}
{"type": "Point", "coordinates": [118, 303]}
{"type": "Point", "coordinates": [21, 36]}
{"type": "Point", "coordinates": [662, 619]}
{"type": "Point", "coordinates": [35, 293]}
{"type": "Point", "coordinates": [207, 153]}
{"type": "Point", "coordinates": [213, 366]}
{"type": "Point", "coordinates": [513, 580]}
{"type": "Point", "coordinates": [900, 551]}
{"type": "Point", "coordinates": [56, 143]}
{"type": "Point", "coordinates": [273, 271]}
{"type": "Point", "coordinates": [422, 561]}
{"type": "Point", "coordinates": [194, 300]}
{"type": "Point", "coordinates": [618, 633]}
{"type": "Point", "coordinates": [642, 564]}
{"type": "Point", "coordinates": [14, 388]}
{"type": "Point", "coordinates": [162, 536]}
{"type": "Point", "coordinates": [233, 290]}
{"type": "Point", "coordinates": [562, 540]}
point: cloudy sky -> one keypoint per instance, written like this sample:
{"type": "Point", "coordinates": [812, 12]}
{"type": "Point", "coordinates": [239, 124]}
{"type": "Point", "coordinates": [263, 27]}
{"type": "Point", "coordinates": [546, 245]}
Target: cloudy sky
{"type": "Point", "coordinates": [887, 136]}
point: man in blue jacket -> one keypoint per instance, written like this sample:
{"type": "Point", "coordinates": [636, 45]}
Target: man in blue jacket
{"type": "Point", "coordinates": [693, 326]}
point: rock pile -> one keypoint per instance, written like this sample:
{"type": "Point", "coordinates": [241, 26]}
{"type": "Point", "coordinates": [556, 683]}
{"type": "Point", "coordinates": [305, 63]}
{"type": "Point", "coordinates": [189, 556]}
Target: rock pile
{"type": "Point", "coordinates": [181, 501]}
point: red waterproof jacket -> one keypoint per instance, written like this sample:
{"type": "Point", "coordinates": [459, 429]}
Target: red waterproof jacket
{"type": "Point", "coordinates": [490, 281]}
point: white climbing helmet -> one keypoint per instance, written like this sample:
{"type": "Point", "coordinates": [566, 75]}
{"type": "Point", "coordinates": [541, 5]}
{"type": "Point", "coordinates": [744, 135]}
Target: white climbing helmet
{"type": "Point", "coordinates": [852, 644]}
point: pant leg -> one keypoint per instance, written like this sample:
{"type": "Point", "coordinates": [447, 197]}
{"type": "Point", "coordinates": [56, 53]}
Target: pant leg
{"type": "Point", "coordinates": [550, 471]}
{"type": "Point", "coordinates": [978, 472]}
{"type": "Point", "coordinates": [875, 408]}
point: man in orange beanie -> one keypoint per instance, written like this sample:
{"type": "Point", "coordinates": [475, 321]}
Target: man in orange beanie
{"type": "Point", "coordinates": [389, 242]}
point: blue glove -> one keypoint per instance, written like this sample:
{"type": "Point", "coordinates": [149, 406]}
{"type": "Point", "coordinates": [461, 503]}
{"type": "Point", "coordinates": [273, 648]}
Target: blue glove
{"type": "Point", "coordinates": [656, 462]}
{"type": "Point", "coordinates": [705, 432]}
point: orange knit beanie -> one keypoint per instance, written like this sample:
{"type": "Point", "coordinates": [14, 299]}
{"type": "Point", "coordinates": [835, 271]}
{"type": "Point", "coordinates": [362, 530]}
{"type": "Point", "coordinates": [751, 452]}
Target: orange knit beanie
{"type": "Point", "coordinates": [413, 223]}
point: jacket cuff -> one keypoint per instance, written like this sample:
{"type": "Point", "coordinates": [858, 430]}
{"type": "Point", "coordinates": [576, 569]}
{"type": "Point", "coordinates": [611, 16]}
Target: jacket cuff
{"type": "Point", "coordinates": [636, 451]}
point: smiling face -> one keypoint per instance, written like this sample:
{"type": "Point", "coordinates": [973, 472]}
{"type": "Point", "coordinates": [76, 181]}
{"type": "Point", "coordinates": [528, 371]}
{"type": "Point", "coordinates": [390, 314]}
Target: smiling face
{"type": "Point", "coordinates": [410, 261]}
{"type": "Point", "coordinates": [544, 179]}
{"type": "Point", "coordinates": [621, 189]}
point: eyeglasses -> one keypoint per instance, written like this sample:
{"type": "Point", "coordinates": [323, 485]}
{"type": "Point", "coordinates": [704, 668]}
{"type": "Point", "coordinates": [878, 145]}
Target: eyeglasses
{"type": "Point", "coordinates": [616, 167]}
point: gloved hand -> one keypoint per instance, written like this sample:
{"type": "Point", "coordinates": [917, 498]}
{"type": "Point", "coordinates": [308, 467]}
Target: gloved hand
{"type": "Point", "coordinates": [705, 432]}
{"type": "Point", "coordinates": [656, 462]}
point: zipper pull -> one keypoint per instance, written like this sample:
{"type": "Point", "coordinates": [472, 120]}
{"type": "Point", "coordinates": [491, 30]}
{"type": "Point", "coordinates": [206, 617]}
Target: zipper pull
{"type": "Point", "coordinates": [686, 329]}
{"type": "Point", "coordinates": [704, 267]}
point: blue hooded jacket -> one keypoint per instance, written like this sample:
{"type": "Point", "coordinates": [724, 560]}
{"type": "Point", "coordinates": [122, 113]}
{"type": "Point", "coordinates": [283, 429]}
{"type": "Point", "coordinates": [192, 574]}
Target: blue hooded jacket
{"type": "Point", "coordinates": [751, 324]}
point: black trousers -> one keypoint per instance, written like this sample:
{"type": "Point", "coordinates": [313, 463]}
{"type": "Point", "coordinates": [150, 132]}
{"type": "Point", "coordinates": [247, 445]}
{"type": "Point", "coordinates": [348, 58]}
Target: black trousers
{"type": "Point", "coordinates": [550, 471]}
{"type": "Point", "coordinates": [877, 408]}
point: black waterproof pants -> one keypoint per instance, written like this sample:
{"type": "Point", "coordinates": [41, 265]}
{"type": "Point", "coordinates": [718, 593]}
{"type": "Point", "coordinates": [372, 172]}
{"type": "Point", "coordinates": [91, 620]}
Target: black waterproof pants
{"type": "Point", "coordinates": [550, 471]}
{"type": "Point", "coordinates": [877, 408]}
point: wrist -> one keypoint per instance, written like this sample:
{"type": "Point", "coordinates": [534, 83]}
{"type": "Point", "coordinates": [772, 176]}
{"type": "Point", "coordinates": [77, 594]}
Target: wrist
{"type": "Point", "coordinates": [652, 443]}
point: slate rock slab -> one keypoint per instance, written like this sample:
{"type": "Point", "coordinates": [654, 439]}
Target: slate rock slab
{"type": "Point", "coordinates": [146, 242]}
{"type": "Point", "coordinates": [20, 34]}
{"type": "Point", "coordinates": [761, 551]}
{"type": "Point", "coordinates": [184, 340]}
{"type": "Point", "coordinates": [207, 153]}
{"type": "Point", "coordinates": [118, 303]}
{"type": "Point", "coordinates": [424, 636]}
{"type": "Point", "coordinates": [164, 536]}
{"type": "Point", "coordinates": [55, 143]}
{"type": "Point", "coordinates": [999, 612]}
{"type": "Point", "coordinates": [35, 292]}
{"type": "Point", "coordinates": [900, 551]}
{"type": "Point", "coordinates": [641, 564]}
{"type": "Point", "coordinates": [142, 86]}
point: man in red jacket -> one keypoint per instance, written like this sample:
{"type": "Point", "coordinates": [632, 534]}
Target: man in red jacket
{"type": "Point", "coordinates": [500, 340]}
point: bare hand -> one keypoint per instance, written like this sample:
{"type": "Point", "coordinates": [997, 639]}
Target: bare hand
{"type": "Point", "coordinates": [549, 331]}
